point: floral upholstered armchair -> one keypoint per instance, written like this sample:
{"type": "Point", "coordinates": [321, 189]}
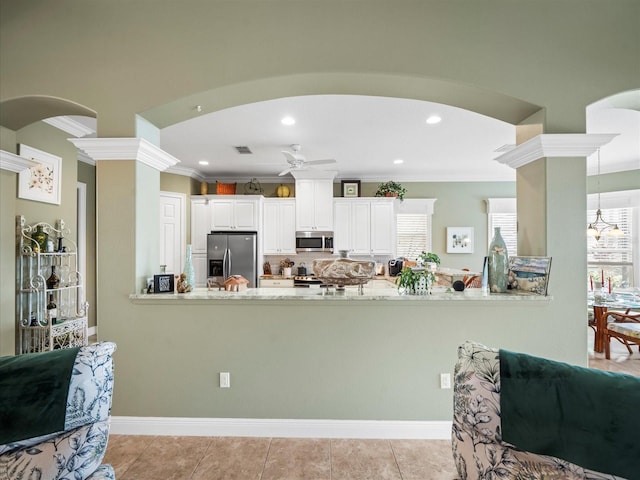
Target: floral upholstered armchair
{"type": "Point", "coordinates": [54, 411]}
{"type": "Point", "coordinates": [479, 450]}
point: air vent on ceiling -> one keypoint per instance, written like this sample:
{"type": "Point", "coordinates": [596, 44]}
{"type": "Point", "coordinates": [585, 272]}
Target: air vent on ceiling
{"type": "Point", "coordinates": [243, 150]}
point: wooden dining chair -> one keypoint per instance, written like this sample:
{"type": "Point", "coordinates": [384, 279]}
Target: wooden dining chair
{"type": "Point", "coordinates": [624, 327]}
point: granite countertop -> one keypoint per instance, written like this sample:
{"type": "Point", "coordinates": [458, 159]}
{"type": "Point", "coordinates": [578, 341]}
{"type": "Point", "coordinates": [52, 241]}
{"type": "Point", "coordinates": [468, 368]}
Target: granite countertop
{"type": "Point", "coordinates": [322, 294]}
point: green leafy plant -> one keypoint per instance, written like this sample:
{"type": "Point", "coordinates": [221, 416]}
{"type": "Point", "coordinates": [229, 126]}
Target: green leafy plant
{"type": "Point", "coordinates": [410, 279]}
{"type": "Point", "coordinates": [429, 258]}
{"type": "Point", "coordinates": [391, 188]}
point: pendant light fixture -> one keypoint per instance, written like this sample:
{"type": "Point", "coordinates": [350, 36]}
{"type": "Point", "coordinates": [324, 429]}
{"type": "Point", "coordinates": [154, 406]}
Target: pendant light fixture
{"type": "Point", "coordinates": [599, 228]}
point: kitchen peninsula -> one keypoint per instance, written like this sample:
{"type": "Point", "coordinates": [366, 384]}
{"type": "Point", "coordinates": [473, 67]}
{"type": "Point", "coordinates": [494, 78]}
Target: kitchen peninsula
{"type": "Point", "coordinates": [438, 294]}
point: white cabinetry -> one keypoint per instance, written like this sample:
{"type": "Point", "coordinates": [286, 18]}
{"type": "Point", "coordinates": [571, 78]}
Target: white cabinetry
{"type": "Point", "coordinates": [200, 225]}
{"type": "Point", "coordinates": [279, 227]}
{"type": "Point", "coordinates": [235, 213]}
{"type": "Point", "coordinates": [314, 204]}
{"type": "Point", "coordinates": [364, 226]}
{"type": "Point", "coordinates": [383, 226]}
{"type": "Point", "coordinates": [276, 282]}
{"type": "Point", "coordinates": [213, 212]}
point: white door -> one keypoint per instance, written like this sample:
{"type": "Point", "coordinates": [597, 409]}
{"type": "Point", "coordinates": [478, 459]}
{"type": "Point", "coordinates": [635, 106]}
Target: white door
{"type": "Point", "coordinates": [172, 231]}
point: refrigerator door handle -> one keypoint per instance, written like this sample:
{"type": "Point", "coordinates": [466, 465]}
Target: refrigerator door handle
{"type": "Point", "coordinates": [227, 263]}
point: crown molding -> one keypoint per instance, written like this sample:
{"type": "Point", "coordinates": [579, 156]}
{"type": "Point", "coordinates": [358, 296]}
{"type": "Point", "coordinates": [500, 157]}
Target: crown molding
{"type": "Point", "coordinates": [70, 126]}
{"type": "Point", "coordinates": [186, 172]}
{"type": "Point", "coordinates": [15, 163]}
{"type": "Point", "coordinates": [126, 149]}
{"type": "Point", "coordinates": [313, 174]}
{"type": "Point", "coordinates": [555, 145]}
{"type": "Point", "coordinates": [84, 158]}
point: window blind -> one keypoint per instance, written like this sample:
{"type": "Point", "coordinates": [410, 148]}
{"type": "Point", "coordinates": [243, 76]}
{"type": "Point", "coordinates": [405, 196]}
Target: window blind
{"type": "Point", "coordinates": [413, 234]}
{"type": "Point", "coordinates": [508, 223]}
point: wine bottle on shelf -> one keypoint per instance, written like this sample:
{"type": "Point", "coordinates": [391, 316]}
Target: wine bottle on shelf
{"type": "Point", "coordinates": [52, 310]}
{"type": "Point", "coordinates": [59, 245]}
{"type": "Point", "coordinates": [40, 238]}
{"type": "Point", "coordinates": [54, 280]}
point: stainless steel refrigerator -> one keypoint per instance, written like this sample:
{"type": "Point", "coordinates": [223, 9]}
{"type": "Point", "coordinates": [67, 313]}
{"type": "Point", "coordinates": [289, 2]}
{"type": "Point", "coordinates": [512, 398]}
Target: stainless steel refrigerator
{"type": "Point", "coordinates": [232, 253]}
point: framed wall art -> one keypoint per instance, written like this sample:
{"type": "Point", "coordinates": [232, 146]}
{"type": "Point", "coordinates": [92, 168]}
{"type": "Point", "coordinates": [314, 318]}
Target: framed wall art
{"type": "Point", "coordinates": [350, 188]}
{"type": "Point", "coordinates": [41, 182]}
{"type": "Point", "coordinates": [459, 239]}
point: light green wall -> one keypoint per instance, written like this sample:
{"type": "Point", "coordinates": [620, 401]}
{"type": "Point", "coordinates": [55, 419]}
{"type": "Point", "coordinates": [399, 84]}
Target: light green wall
{"type": "Point", "coordinates": [49, 139]}
{"type": "Point", "coordinates": [87, 175]}
{"type": "Point", "coordinates": [476, 53]}
{"type": "Point", "coordinates": [8, 189]}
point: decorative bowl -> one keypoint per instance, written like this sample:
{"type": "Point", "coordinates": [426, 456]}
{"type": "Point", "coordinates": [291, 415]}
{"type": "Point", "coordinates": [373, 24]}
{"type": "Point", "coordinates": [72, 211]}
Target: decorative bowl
{"type": "Point", "coordinates": [344, 271]}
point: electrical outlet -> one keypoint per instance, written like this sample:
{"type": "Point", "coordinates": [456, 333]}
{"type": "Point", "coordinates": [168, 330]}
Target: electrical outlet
{"type": "Point", "coordinates": [445, 380]}
{"type": "Point", "coordinates": [225, 380]}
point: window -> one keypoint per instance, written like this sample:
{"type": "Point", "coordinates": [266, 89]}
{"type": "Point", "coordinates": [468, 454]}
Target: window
{"type": "Point", "coordinates": [413, 227]}
{"type": "Point", "coordinates": [612, 257]}
{"type": "Point", "coordinates": [501, 212]}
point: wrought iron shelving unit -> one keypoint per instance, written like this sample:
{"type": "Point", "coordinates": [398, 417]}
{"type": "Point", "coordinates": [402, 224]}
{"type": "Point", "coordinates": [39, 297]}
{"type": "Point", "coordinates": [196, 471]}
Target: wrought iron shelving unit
{"type": "Point", "coordinates": [35, 329]}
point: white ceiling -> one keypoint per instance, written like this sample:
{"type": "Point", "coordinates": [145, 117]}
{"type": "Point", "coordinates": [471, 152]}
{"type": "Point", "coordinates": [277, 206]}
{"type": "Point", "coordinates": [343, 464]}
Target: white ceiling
{"type": "Point", "coordinates": [366, 134]}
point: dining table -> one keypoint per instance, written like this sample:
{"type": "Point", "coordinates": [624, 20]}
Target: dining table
{"type": "Point", "coordinates": [603, 303]}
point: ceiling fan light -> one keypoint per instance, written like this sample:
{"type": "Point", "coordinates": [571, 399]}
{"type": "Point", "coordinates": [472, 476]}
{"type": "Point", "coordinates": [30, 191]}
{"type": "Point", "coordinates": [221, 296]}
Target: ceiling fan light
{"type": "Point", "coordinates": [288, 121]}
{"type": "Point", "coordinates": [433, 119]}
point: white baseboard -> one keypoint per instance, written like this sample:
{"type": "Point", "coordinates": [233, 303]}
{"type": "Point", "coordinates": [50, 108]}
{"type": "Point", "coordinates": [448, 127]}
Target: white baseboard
{"type": "Point", "coordinates": [91, 331]}
{"type": "Point", "coordinates": [281, 428]}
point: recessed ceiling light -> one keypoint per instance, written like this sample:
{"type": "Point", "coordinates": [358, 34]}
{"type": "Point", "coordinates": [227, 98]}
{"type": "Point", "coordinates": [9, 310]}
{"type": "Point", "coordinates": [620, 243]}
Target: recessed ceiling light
{"type": "Point", "coordinates": [398, 161]}
{"type": "Point", "coordinates": [433, 119]}
{"type": "Point", "coordinates": [203, 162]}
{"type": "Point", "coordinates": [288, 121]}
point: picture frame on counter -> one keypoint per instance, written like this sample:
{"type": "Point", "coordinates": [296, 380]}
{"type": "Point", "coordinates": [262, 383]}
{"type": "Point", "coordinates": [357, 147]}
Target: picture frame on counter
{"type": "Point", "coordinates": [351, 188]}
{"type": "Point", "coordinates": [529, 274]}
{"type": "Point", "coordinates": [163, 283]}
{"type": "Point", "coordinates": [41, 182]}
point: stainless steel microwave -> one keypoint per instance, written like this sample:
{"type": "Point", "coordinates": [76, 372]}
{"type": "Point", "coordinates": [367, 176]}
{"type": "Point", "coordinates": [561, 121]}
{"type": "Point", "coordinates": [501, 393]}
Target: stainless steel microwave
{"type": "Point", "coordinates": [314, 241]}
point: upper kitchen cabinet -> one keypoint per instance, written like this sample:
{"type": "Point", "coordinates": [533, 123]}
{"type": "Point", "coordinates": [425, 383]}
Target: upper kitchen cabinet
{"type": "Point", "coordinates": [279, 226]}
{"type": "Point", "coordinates": [364, 226]}
{"type": "Point", "coordinates": [237, 212]}
{"type": "Point", "coordinates": [200, 224]}
{"type": "Point", "coordinates": [314, 203]}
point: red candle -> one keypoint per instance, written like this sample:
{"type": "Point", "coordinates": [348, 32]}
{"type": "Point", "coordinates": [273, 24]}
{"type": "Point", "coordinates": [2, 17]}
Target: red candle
{"type": "Point", "coordinates": [591, 282]}
{"type": "Point", "coordinates": [602, 278]}
{"type": "Point", "coordinates": [609, 284]}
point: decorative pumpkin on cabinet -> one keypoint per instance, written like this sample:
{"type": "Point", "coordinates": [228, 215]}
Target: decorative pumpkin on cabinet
{"type": "Point", "coordinates": [283, 191]}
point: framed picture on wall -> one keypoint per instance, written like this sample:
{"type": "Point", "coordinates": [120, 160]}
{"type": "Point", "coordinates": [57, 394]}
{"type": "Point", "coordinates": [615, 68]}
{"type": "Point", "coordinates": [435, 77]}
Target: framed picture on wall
{"type": "Point", "coordinates": [459, 239]}
{"type": "Point", "coordinates": [41, 182]}
{"type": "Point", "coordinates": [350, 188]}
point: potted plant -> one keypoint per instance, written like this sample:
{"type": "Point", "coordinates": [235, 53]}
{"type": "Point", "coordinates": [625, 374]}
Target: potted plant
{"type": "Point", "coordinates": [391, 189]}
{"type": "Point", "coordinates": [425, 258]}
{"type": "Point", "coordinates": [415, 281]}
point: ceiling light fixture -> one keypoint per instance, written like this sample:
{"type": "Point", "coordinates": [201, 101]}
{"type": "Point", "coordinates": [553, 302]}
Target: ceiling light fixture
{"type": "Point", "coordinates": [433, 119]}
{"type": "Point", "coordinates": [203, 162]}
{"type": "Point", "coordinates": [288, 121]}
{"type": "Point", "coordinates": [398, 161]}
{"type": "Point", "coordinates": [599, 227]}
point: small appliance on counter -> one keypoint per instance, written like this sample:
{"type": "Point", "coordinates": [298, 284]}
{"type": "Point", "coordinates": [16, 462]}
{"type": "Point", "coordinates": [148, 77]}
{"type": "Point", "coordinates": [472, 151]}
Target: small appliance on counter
{"type": "Point", "coordinates": [395, 266]}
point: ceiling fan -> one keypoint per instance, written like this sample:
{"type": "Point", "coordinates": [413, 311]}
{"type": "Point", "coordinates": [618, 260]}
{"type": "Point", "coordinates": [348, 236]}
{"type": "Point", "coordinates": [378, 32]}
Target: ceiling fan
{"type": "Point", "coordinates": [297, 161]}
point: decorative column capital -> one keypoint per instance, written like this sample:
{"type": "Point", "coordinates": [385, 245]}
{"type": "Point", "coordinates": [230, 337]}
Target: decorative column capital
{"type": "Point", "coordinates": [555, 145]}
{"type": "Point", "coordinates": [137, 149]}
{"type": "Point", "coordinates": [15, 163]}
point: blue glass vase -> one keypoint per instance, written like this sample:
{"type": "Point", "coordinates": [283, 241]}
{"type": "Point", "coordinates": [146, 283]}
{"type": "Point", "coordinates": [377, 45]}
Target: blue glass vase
{"type": "Point", "coordinates": [188, 269]}
{"type": "Point", "coordinates": [498, 264]}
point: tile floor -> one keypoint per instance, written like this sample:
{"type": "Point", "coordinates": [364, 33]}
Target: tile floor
{"type": "Point", "coordinates": [217, 458]}
{"type": "Point", "coordinates": [228, 458]}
